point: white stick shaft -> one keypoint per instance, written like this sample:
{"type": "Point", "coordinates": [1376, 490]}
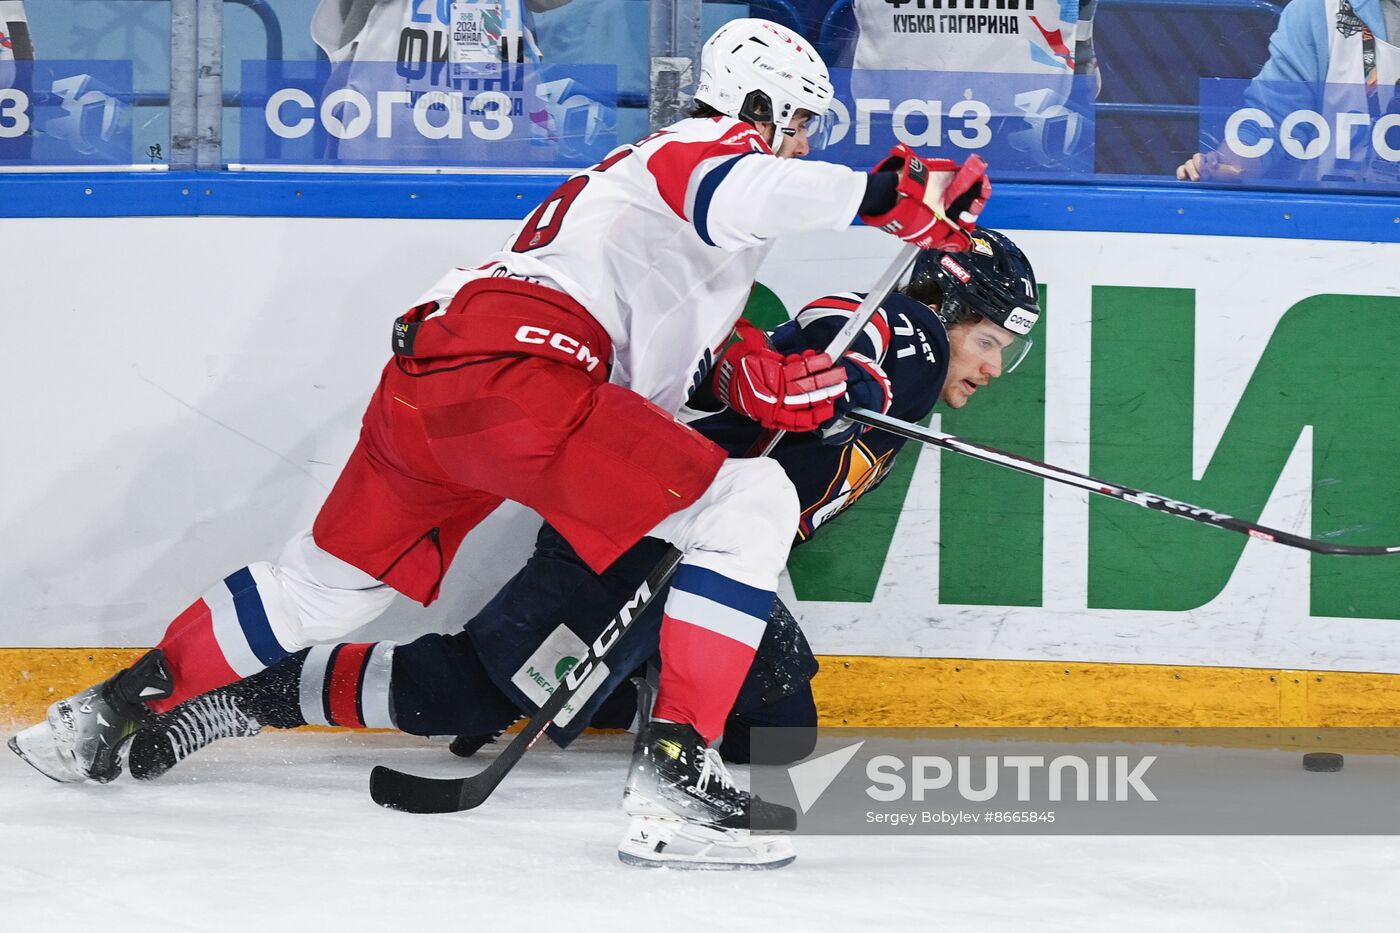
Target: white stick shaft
{"type": "Point", "coordinates": [1148, 500]}
{"type": "Point", "coordinates": [846, 336]}
{"type": "Point", "coordinates": [849, 331]}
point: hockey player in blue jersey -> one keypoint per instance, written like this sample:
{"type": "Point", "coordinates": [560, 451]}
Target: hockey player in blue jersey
{"type": "Point", "coordinates": [903, 364]}
{"type": "Point", "coordinates": [961, 322]}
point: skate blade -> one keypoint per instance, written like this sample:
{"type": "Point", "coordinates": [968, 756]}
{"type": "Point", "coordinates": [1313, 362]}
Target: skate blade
{"type": "Point", "coordinates": [637, 861]}
{"type": "Point", "coordinates": [35, 746]}
{"type": "Point", "coordinates": [652, 843]}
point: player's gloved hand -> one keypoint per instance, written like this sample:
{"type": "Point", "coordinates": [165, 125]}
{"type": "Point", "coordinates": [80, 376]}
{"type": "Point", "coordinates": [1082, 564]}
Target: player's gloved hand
{"type": "Point", "coordinates": [937, 202]}
{"type": "Point", "coordinates": [793, 392]}
{"type": "Point", "coordinates": [867, 386]}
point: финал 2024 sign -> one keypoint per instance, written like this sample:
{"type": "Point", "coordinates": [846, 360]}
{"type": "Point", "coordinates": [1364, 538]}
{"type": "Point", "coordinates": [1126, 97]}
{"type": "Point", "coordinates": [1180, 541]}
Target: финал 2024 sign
{"type": "Point", "coordinates": [376, 113]}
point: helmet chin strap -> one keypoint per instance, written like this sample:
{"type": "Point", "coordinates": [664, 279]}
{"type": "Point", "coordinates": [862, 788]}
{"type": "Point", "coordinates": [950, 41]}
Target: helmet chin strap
{"type": "Point", "coordinates": [774, 136]}
{"type": "Point", "coordinates": [781, 139]}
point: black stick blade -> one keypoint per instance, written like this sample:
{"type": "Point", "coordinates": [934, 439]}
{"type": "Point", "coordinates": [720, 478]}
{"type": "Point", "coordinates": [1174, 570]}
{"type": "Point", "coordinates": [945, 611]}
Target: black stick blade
{"type": "Point", "coordinates": [413, 793]}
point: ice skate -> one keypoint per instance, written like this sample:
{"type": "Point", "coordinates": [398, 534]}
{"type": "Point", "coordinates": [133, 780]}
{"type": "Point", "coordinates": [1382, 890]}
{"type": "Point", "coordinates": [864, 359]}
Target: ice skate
{"type": "Point", "coordinates": [675, 774]}
{"type": "Point", "coordinates": [653, 842]}
{"type": "Point", "coordinates": [36, 746]}
{"type": "Point", "coordinates": [82, 736]}
{"type": "Point", "coordinates": [687, 812]}
{"type": "Point", "coordinates": [164, 741]}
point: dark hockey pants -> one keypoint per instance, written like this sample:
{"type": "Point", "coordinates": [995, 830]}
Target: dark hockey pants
{"type": "Point", "coordinates": [468, 683]}
{"type": "Point", "coordinates": [440, 687]}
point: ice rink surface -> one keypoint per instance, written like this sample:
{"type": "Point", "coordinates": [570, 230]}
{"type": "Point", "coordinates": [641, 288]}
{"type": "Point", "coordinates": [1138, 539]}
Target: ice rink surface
{"type": "Point", "coordinates": [278, 833]}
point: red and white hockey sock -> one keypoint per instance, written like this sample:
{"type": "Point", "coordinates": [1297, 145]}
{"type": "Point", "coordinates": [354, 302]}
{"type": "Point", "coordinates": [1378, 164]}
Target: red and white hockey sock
{"type": "Point", "coordinates": [711, 629]}
{"type": "Point", "coordinates": [348, 685]}
{"type": "Point", "coordinates": [227, 634]}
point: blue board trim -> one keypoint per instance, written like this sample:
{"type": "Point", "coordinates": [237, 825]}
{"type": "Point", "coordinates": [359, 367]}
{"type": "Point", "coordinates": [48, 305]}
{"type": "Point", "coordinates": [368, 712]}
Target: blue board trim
{"type": "Point", "coordinates": [1165, 208]}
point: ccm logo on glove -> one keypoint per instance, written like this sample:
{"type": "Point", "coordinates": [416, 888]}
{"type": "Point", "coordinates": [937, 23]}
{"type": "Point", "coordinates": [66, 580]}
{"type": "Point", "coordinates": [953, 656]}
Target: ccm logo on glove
{"type": "Point", "coordinates": [937, 202]}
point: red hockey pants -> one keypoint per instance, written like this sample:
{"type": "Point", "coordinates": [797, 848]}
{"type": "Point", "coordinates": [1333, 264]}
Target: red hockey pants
{"type": "Point", "coordinates": [505, 397]}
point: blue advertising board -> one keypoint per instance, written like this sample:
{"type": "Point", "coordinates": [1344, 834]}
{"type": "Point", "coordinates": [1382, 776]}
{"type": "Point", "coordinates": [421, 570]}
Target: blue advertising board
{"type": "Point", "coordinates": [65, 113]}
{"type": "Point", "coordinates": [1305, 135]}
{"type": "Point", "coordinates": [1025, 125]}
{"type": "Point", "coordinates": [434, 114]}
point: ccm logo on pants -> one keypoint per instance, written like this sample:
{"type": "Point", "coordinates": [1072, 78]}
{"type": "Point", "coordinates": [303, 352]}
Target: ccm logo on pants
{"type": "Point", "coordinates": [561, 342]}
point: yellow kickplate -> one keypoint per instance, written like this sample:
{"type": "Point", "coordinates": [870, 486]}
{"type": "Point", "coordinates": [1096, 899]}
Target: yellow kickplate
{"type": "Point", "coordinates": [902, 692]}
{"type": "Point", "coordinates": [910, 692]}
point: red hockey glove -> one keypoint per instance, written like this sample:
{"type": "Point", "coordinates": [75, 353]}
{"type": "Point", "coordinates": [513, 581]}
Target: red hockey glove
{"type": "Point", "coordinates": [936, 202]}
{"type": "Point", "coordinates": [795, 392]}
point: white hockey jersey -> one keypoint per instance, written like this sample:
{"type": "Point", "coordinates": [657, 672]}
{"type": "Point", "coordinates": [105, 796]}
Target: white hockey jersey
{"type": "Point", "coordinates": [424, 31]}
{"type": "Point", "coordinates": [662, 239]}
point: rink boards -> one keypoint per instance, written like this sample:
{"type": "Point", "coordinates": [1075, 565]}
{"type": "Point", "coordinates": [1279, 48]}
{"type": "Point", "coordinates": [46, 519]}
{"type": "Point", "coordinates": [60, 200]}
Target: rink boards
{"type": "Point", "coordinates": [184, 389]}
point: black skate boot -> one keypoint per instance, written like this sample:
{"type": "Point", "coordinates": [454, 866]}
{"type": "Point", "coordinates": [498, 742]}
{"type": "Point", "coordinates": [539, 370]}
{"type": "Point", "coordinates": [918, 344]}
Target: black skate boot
{"type": "Point", "coordinates": [81, 738]}
{"type": "Point", "coordinates": [674, 773]}
{"type": "Point", "coordinates": [164, 741]}
{"type": "Point", "coordinates": [687, 812]}
{"type": "Point", "coordinates": [239, 710]}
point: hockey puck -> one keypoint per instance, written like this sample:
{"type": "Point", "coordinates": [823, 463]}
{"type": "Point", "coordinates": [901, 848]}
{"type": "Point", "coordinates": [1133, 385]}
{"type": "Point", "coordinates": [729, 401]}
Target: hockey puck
{"type": "Point", "coordinates": [1322, 761]}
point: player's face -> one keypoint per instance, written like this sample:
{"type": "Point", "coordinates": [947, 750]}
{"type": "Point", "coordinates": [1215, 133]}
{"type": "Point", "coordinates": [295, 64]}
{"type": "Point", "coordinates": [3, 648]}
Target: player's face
{"type": "Point", "coordinates": [788, 147]}
{"type": "Point", "coordinates": [797, 145]}
{"type": "Point", "coordinates": [975, 359]}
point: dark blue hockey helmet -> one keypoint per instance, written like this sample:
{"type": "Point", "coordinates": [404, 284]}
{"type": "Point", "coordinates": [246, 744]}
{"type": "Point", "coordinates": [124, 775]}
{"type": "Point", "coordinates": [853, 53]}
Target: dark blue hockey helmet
{"type": "Point", "coordinates": [992, 280]}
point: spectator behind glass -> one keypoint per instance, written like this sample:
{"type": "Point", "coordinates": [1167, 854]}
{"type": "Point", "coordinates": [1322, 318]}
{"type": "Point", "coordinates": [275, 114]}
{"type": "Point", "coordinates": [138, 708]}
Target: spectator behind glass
{"type": "Point", "coordinates": [400, 31]}
{"type": "Point", "coordinates": [414, 35]}
{"type": "Point", "coordinates": [15, 46]}
{"type": "Point", "coordinates": [1052, 39]}
{"type": "Point", "coordinates": [1039, 46]}
{"type": "Point", "coordinates": [1317, 43]}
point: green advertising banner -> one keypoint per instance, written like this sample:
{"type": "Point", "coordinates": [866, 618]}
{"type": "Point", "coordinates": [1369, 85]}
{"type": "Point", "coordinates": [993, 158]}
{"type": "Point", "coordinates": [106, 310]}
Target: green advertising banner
{"type": "Point", "coordinates": [1230, 373]}
{"type": "Point", "coordinates": [1256, 376]}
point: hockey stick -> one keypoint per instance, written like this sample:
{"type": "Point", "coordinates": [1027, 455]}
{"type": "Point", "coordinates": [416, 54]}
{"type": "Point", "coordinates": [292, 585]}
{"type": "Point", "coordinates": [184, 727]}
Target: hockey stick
{"type": "Point", "coordinates": [846, 336]}
{"type": "Point", "coordinates": [417, 794]}
{"type": "Point", "coordinates": [1147, 500]}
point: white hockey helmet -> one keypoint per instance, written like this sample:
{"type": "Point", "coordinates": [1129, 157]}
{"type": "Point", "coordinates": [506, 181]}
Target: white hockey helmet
{"type": "Point", "coordinates": [761, 72]}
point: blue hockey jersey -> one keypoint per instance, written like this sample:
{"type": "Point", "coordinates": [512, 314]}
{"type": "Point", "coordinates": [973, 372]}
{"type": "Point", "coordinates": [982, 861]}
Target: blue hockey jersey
{"type": "Point", "coordinates": [909, 342]}
{"type": "Point", "coordinates": [518, 633]}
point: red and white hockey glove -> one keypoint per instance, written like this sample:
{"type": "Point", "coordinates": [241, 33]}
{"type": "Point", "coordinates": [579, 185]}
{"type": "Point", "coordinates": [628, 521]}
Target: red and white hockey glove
{"type": "Point", "coordinates": [936, 202]}
{"type": "Point", "coordinates": [793, 392]}
{"type": "Point", "coordinates": [867, 386]}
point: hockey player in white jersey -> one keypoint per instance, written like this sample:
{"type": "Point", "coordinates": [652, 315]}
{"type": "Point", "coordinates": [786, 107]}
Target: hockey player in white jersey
{"type": "Point", "coordinates": [549, 375]}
